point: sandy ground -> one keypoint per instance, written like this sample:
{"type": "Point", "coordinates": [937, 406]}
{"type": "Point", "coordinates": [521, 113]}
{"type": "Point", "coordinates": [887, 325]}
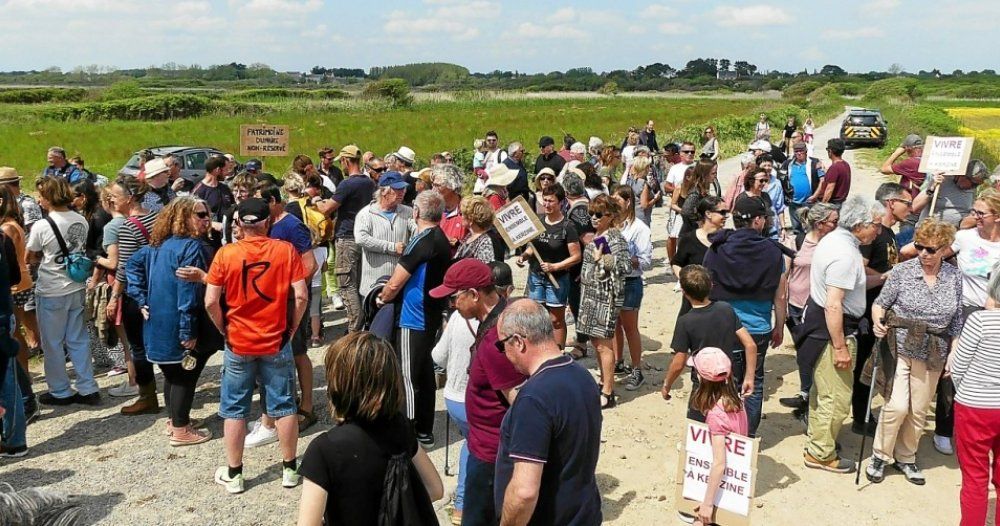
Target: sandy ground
{"type": "Point", "coordinates": [126, 473]}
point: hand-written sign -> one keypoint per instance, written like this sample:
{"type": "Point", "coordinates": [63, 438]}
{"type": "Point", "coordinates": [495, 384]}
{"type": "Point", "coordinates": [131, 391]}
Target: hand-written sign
{"type": "Point", "coordinates": [260, 140]}
{"type": "Point", "coordinates": [735, 494]}
{"type": "Point", "coordinates": [517, 223]}
{"type": "Point", "coordinates": [947, 155]}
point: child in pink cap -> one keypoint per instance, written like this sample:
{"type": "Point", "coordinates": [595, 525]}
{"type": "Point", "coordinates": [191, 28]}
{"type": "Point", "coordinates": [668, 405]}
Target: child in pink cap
{"type": "Point", "coordinates": [718, 398]}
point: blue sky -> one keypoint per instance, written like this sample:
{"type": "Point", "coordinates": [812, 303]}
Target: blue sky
{"type": "Point", "coordinates": [484, 35]}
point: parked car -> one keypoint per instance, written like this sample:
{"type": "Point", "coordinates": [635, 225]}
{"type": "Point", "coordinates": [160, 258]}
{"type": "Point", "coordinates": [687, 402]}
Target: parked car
{"type": "Point", "coordinates": [864, 126]}
{"type": "Point", "coordinates": [192, 160]}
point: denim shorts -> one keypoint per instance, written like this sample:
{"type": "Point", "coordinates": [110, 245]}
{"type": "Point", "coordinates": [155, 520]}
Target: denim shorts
{"type": "Point", "coordinates": [275, 374]}
{"type": "Point", "coordinates": [633, 294]}
{"type": "Point", "coordinates": [541, 290]}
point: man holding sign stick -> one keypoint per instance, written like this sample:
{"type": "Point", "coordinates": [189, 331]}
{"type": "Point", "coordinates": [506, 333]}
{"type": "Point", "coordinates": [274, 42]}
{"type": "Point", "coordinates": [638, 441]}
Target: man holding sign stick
{"type": "Point", "coordinates": [551, 255]}
{"type": "Point", "coordinates": [946, 158]}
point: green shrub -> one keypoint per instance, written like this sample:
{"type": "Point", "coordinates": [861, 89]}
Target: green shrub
{"type": "Point", "coordinates": [609, 88]}
{"type": "Point", "coordinates": [395, 90]}
{"type": "Point", "coordinates": [150, 108]}
{"type": "Point", "coordinates": [848, 88]}
{"type": "Point", "coordinates": [977, 91]}
{"type": "Point", "coordinates": [800, 89]}
{"type": "Point", "coordinates": [39, 95]}
{"type": "Point", "coordinates": [896, 88]}
{"type": "Point", "coordinates": [125, 89]}
{"type": "Point", "coordinates": [284, 93]}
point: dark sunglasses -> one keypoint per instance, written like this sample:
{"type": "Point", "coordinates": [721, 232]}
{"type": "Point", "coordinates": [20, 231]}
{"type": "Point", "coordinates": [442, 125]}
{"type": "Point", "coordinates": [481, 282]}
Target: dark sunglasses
{"type": "Point", "coordinates": [761, 180]}
{"type": "Point", "coordinates": [688, 151]}
{"type": "Point", "coordinates": [502, 342]}
{"type": "Point", "coordinates": [376, 170]}
{"type": "Point", "coordinates": [202, 215]}
{"type": "Point", "coordinates": [723, 213]}
{"type": "Point", "coordinates": [546, 178]}
{"type": "Point", "coordinates": [921, 248]}
{"type": "Point", "coordinates": [597, 215]}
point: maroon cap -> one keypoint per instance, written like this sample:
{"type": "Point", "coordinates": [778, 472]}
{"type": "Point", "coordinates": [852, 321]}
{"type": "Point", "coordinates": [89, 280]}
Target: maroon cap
{"type": "Point", "coordinates": [469, 273]}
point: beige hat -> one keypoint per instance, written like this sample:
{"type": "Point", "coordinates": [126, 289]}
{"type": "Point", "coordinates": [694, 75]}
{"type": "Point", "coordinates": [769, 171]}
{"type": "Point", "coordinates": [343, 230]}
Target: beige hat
{"type": "Point", "coordinates": [155, 167]}
{"type": "Point", "coordinates": [8, 175]}
{"type": "Point", "coordinates": [406, 154]}
{"type": "Point", "coordinates": [424, 175]}
{"type": "Point", "coordinates": [500, 175]}
{"type": "Point", "coordinates": [546, 171]}
{"type": "Point", "coordinates": [348, 152]}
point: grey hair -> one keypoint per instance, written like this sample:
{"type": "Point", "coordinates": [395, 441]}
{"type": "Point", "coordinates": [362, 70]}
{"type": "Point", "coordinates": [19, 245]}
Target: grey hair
{"type": "Point", "coordinates": [888, 191]}
{"type": "Point", "coordinates": [37, 506]}
{"type": "Point", "coordinates": [814, 214]}
{"type": "Point", "coordinates": [514, 147]}
{"type": "Point", "coordinates": [573, 185]}
{"type": "Point", "coordinates": [642, 148]}
{"type": "Point", "coordinates": [430, 206]}
{"type": "Point", "coordinates": [58, 150]}
{"type": "Point", "coordinates": [993, 289]}
{"type": "Point", "coordinates": [527, 318]}
{"type": "Point", "coordinates": [448, 176]}
{"type": "Point", "coordinates": [858, 210]}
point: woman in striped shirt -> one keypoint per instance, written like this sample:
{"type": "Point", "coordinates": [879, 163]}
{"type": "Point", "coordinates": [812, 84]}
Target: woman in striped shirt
{"type": "Point", "coordinates": [975, 370]}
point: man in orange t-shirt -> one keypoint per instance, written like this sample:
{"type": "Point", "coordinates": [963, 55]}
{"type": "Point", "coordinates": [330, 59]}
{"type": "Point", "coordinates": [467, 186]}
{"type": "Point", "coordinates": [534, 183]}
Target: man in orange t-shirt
{"type": "Point", "coordinates": [255, 274]}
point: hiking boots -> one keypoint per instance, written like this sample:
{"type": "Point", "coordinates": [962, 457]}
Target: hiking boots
{"type": "Point", "coordinates": [146, 404]}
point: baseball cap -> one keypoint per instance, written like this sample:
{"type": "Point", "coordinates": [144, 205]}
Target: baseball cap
{"type": "Point", "coordinates": [348, 152]}
{"type": "Point", "coordinates": [469, 273]}
{"type": "Point", "coordinates": [749, 208]}
{"type": "Point", "coordinates": [546, 141]}
{"type": "Point", "coordinates": [253, 210]}
{"type": "Point", "coordinates": [800, 147]}
{"type": "Point", "coordinates": [393, 180]}
{"type": "Point", "coordinates": [712, 364]}
{"type": "Point", "coordinates": [912, 140]}
{"type": "Point", "coordinates": [253, 165]}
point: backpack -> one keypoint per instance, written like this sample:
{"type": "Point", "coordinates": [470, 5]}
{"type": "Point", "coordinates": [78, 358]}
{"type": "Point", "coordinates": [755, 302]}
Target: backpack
{"type": "Point", "coordinates": [319, 225]}
{"type": "Point", "coordinates": [78, 265]}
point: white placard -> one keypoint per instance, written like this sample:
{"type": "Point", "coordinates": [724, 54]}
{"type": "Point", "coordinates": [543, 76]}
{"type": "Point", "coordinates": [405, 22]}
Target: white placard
{"type": "Point", "coordinates": [736, 490]}
{"type": "Point", "coordinates": [947, 155]}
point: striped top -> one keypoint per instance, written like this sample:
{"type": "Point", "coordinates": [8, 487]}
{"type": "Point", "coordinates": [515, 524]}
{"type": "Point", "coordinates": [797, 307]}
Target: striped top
{"type": "Point", "coordinates": [376, 234]}
{"type": "Point", "coordinates": [975, 367]}
{"type": "Point", "coordinates": [130, 240]}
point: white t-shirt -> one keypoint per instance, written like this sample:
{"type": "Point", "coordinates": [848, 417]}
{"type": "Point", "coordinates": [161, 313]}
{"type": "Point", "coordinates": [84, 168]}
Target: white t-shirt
{"type": "Point", "coordinates": [328, 183]}
{"type": "Point", "coordinates": [676, 174]}
{"type": "Point", "coordinates": [837, 262]}
{"type": "Point", "coordinates": [52, 278]}
{"type": "Point", "coordinates": [977, 258]}
{"type": "Point", "coordinates": [320, 253]}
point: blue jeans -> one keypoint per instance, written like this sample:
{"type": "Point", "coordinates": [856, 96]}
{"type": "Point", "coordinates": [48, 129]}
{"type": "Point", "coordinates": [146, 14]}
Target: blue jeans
{"type": "Point", "coordinates": [457, 412]}
{"type": "Point", "coordinates": [14, 423]}
{"type": "Point", "coordinates": [755, 401]}
{"type": "Point", "coordinates": [63, 331]}
{"type": "Point", "coordinates": [276, 375]}
{"type": "Point", "coordinates": [541, 290]}
{"type": "Point", "coordinates": [480, 508]}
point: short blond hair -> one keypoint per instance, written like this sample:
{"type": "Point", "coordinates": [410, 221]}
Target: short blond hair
{"type": "Point", "coordinates": [477, 210]}
{"type": "Point", "coordinates": [640, 164]}
{"type": "Point", "coordinates": [934, 233]}
{"type": "Point", "coordinates": [294, 183]}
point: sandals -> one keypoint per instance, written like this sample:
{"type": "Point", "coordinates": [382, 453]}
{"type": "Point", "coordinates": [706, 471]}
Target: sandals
{"type": "Point", "coordinates": [608, 401]}
{"type": "Point", "coordinates": [579, 351]}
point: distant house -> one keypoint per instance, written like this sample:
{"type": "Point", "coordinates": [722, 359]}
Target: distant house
{"type": "Point", "coordinates": [318, 79]}
{"type": "Point", "coordinates": [727, 75]}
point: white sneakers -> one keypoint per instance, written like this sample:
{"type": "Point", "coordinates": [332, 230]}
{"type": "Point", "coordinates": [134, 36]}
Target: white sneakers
{"type": "Point", "coordinates": [290, 477]}
{"type": "Point", "coordinates": [260, 435]}
{"type": "Point", "coordinates": [125, 390]}
{"type": "Point", "coordinates": [943, 445]}
{"type": "Point", "coordinates": [233, 485]}
{"type": "Point", "coordinates": [338, 302]}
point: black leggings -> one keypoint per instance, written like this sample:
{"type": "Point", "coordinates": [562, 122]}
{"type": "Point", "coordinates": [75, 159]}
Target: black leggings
{"type": "Point", "coordinates": [132, 322]}
{"type": "Point", "coordinates": [179, 386]}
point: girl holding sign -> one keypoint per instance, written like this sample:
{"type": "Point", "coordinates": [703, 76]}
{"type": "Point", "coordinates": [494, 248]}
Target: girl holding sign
{"type": "Point", "coordinates": [718, 398]}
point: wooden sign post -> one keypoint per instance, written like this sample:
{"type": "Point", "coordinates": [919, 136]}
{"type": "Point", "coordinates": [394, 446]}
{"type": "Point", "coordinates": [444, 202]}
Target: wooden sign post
{"type": "Point", "coordinates": [262, 140]}
{"type": "Point", "coordinates": [734, 499]}
{"type": "Point", "coordinates": [518, 225]}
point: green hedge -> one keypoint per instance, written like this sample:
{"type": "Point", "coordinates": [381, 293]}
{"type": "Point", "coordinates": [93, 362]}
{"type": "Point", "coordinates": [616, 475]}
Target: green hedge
{"type": "Point", "coordinates": [151, 108]}
{"type": "Point", "coordinates": [39, 95]}
{"type": "Point", "coordinates": [283, 93]}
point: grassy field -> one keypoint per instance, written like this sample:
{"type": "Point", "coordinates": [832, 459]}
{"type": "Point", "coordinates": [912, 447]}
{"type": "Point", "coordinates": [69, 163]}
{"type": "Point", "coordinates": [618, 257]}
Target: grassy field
{"type": "Point", "coordinates": [426, 127]}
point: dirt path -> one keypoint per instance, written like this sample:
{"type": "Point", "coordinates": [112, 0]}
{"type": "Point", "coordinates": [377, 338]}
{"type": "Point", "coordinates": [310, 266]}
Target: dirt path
{"type": "Point", "coordinates": [127, 473]}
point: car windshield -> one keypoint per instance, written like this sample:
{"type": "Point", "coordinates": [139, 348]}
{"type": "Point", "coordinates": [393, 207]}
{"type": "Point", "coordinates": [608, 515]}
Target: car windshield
{"type": "Point", "coordinates": [133, 162]}
{"type": "Point", "coordinates": [864, 120]}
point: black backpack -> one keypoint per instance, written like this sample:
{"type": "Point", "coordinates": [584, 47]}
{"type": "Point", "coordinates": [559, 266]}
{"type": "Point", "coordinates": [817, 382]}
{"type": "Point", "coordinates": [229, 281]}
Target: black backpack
{"type": "Point", "coordinates": [404, 499]}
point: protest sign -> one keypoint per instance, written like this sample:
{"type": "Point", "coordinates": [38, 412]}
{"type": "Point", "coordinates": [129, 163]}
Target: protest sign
{"type": "Point", "coordinates": [734, 499]}
{"type": "Point", "coordinates": [518, 225]}
{"type": "Point", "coordinates": [259, 140]}
{"type": "Point", "coordinates": [947, 155]}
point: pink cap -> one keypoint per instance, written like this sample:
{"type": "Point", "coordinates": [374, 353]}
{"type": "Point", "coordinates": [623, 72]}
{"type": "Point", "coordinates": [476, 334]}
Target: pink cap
{"type": "Point", "coordinates": [712, 364]}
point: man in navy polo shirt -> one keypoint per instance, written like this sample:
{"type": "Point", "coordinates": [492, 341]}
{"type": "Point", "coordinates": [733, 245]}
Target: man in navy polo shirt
{"type": "Point", "coordinates": [551, 437]}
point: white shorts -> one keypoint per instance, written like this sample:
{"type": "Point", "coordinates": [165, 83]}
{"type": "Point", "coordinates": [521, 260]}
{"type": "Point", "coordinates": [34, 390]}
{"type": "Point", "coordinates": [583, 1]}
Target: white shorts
{"type": "Point", "coordinates": [674, 223]}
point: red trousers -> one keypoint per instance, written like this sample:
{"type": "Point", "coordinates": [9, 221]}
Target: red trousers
{"type": "Point", "coordinates": [977, 436]}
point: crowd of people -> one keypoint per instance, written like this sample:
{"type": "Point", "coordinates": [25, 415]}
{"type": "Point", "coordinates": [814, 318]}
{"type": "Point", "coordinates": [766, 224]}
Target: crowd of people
{"type": "Point", "coordinates": [895, 293]}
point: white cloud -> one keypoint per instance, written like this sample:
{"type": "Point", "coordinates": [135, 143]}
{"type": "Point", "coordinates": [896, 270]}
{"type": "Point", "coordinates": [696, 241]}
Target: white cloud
{"type": "Point", "coordinates": [853, 33]}
{"type": "Point", "coordinates": [458, 20]}
{"type": "Point", "coordinates": [666, 20]}
{"type": "Point", "coordinates": [881, 5]}
{"type": "Point", "coordinates": [283, 8]}
{"type": "Point", "coordinates": [751, 15]}
{"type": "Point", "coordinates": [812, 54]}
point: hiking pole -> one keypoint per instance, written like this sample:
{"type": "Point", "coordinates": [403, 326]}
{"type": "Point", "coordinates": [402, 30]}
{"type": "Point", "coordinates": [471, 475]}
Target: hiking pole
{"type": "Point", "coordinates": [876, 349]}
{"type": "Point", "coordinates": [447, 441]}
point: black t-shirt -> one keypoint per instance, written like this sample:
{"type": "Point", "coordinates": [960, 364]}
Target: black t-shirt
{"type": "Point", "coordinates": [426, 257]}
{"type": "Point", "coordinates": [553, 244]}
{"type": "Point", "coordinates": [353, 194]}
{"type": "Point", "coordinates": [789, 130]}
{"type": "Point", "coordinates": [554, 161]}
{"type": "Point", "coordinates": [556, 421]}
{"type": "Point", "coordinates": [349, 462]}
{"type": "Point", "coordinates": [882, 253]}
{"type": "Point", "coordinates": [714, 325]}
{"type": "Point", "coordinates": [218, 197]}
{"type": "Point", "coordinates": [690, 251]}
{"type": "Point", "coordinates": [95, 235]}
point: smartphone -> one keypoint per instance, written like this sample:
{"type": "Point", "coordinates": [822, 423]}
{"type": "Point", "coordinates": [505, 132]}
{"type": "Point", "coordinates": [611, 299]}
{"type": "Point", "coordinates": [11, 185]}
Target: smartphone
{"type": "Point", "coordinates": [602, 243]}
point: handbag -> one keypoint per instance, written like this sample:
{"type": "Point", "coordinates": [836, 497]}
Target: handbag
{"type": "Point", "coordinates": [78, 265]}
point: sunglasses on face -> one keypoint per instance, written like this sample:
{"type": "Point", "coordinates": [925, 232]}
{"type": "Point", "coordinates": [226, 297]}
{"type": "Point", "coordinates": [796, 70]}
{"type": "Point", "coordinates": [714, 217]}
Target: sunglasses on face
{"type": "Point", "coordinates": [501, 343]}
{"type": "Point", "coordinates": [925, 248]}
{"type": "Point", "coordinates": [723, 213]}
{"type": "Point", "coordinates": [687, 152]}
{"type": "Point", "coordinates": [597, 215]}
{"type": "Point", "coordinates": [761, 180]}
{"type": "Point", "coordinates": [376, 170]}
{"type": "Point", "coordinates": [202, 215]}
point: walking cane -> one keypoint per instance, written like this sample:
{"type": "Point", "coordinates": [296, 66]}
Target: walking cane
{"type": "Point", "coordinates": [876, 349]}
{"type": "Point", "coordinates": [447, 441]}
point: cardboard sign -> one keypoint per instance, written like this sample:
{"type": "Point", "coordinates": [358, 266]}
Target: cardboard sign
{"type": "Point", "coordinates": [517, 223]}
{"type": "Point", "coordinates": [947, 155]}
{"type": "Point", "coordinates": [734, 499]}
{"type": "Point", "coordinates": [261, 140]}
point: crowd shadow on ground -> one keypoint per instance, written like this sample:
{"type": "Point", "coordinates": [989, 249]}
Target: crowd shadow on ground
{"type": "Point", "coordinates": [93, 508]}
{"type": "Point", "coordinates": [612, 508]}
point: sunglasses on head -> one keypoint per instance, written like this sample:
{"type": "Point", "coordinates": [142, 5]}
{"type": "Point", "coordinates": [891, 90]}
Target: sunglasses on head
{"type": "Point", "coordinates": [202, 215]}
{"type": "Point", "coordinates": [923, 248]}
